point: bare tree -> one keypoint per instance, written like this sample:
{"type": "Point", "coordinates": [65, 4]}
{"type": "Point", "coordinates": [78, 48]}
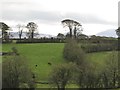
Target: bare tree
{"type": "Point", "coordinates": [20, 28]}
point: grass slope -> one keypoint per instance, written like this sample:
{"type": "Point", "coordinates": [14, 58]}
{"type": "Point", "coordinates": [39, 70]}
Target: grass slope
{"type": "Point", "coordinates": [41, 54]}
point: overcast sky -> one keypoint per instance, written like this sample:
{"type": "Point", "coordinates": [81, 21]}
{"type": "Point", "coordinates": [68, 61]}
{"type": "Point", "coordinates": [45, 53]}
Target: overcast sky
{"type": "Point", "coordinates": [94, 15]}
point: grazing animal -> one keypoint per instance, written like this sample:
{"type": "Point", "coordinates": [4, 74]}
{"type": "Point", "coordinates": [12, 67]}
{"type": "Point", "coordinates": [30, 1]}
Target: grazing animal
{"type": "Point", "coordinates": [49, 63]}
{"type": "Point", "coordinates": [33, 75]}
{"type": "Point", "coordinates": [4, 53]}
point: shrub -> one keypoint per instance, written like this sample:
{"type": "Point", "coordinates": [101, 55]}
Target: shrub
{"type": "Point", "coordinates": [15, 72]}
{"type": "Point", "coordinates": [62, 74]}
{"type": "Point", "coordinates": [72, 52]}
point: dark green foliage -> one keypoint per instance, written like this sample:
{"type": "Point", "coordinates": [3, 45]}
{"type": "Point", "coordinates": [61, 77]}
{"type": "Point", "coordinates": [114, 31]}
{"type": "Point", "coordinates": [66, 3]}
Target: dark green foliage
{"type": "Point", "coordinates": [61, 75]}
{"type": "Point", "coordinates": [60, 36]}
{"type": "Point", "coordinates": [15, 72]}
{"type": "Point", "coordinates": [0, 75]}
{"type": "Point", "coordinates": [82, 36]}
{"type": "Point", "coordinates": [15, 51]}
{"type": "Point", "coordinates": [91, 74]}
{"type": "Point", "coordinates": [32, 27]}
{"type": "Point", "coordinates": [89, 48]}
{"type": "Point", "coordinates": [4, 27]}
{"type": "Point", "coordinates": [88, 77]}
{"type": "Point", "coordinates": [118, 31]}
{"type": "Point", "coordinates": [92, 77]}
{"type": "Point", "coordinates": [110, 73]}
{"type": "Point", "coordinates": [73, 52]}
{"type": "Point", "coordinates": [42, 40]}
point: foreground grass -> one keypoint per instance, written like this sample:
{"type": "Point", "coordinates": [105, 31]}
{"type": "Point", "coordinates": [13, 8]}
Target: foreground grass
{"type": "Point", "coordinates": [51, 86]}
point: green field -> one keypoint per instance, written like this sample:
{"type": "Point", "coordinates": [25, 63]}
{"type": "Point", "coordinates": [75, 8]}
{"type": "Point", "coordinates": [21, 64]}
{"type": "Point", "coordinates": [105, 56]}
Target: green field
{"type": "Point", "coordinates": [41, 54]}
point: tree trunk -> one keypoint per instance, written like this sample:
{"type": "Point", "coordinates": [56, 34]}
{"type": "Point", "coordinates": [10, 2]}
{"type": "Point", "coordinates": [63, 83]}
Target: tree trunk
{"type": "Point", "coordinates": [20, 34]}
{"type": "Point", "coordinates": [75, 32]}
{"type": "Point", "coordinates": [70, 32]}
{"type": "Point", "coordinates": [32, 34]}
{"type": "Point", "coordinates": [105, 81]}
{"type": "Point", "coordinates": [114, 79]}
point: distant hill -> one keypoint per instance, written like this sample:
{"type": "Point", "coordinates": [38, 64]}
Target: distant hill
{"type": "Point", "coordinates": [107, 33]}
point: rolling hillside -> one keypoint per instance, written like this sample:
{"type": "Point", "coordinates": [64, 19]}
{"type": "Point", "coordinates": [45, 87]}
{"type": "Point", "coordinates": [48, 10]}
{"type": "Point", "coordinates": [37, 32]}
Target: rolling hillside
{"type": "Point", "coordinates": [44, 53]}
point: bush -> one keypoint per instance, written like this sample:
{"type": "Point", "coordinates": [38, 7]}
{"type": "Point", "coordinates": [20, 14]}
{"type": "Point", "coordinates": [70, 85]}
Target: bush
{"type": "Point", "coordinates": [61, 75]}
{"type": "Point", "coordinates": [42, 40]}
{"type": "Point", "coordinates": [73, 52]}
{"type": "Point", "coordinates": [89, 48]}
{"type": "Point", "coordinates": [15, 72]}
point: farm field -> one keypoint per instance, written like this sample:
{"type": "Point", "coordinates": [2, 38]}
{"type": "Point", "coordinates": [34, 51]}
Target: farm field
{"type": "Point", "coordinates": [40, 55]}
{"type": "Point", "coordinates": [44, 53]}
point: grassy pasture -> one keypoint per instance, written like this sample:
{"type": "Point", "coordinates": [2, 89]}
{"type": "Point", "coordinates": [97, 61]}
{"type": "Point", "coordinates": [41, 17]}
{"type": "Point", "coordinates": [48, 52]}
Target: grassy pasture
{"type": "Point", "coordinates": [43, 53]}
{"type": "Point", "coordinates": [40, 55]}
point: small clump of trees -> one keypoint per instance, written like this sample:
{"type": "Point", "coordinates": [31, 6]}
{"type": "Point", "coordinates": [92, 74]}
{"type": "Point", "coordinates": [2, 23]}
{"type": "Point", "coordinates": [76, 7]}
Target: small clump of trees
{"type": "Point", "coordinates": [62, 75]}
{"type": "Point", "coordinates": [4, 28]}
{"type": "Point", "coordinates": [85, 73]}
{"type": "Point", "coordinates": [16, 73]}
{"type": "Point", "coordinates": [111, 70]}
{"type": "Point", "coordinates": [118, 32]}
{"type": "Point", "coordinates": [32, 27]}
{"type": "Point", "coordinates": [74, 27]}
{"type": "Point", "coordinates": [72, 52]}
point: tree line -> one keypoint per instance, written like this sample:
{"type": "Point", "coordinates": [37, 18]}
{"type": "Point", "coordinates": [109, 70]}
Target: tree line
{"type": "Point", "coordinates": [74, 27]}
{"type": "Point", "coordinates": [75, 30]}
{"type": "Point", "coordinates": [31, 26]}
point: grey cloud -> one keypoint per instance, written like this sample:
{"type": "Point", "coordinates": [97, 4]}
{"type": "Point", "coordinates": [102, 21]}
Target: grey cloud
{"type": "Point", "coordinates": [119, 14]}
{"type": "Point", "coordinates": [45, 17]}
{"type": "Point", "coordinates": [14, 2]}
{"type": "Point", "coordinates": [89, 18]}
{"type": "Point", "coordinates": [51, 17]}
